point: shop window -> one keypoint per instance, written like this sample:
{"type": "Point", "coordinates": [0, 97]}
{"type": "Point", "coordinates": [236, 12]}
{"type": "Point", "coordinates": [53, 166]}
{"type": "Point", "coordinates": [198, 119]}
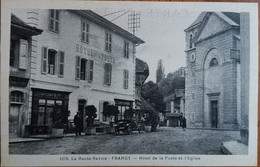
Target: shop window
{"type": "Point", "coordinates": [85, 32]}
{"type": "Point", "coordinates": [108, 73]}
{"type": "Point", "coordinates": [108, 42]}
{"type": "Point", "coordinates": [84, 69]}
{"type": "Point", "coordinates": [122, 109]}
{"type": "Point", "coordinates": [126, 49]}
{"type": "Point", "coordinates": [54, 20]}
{"type": "Point", "coordinates": [126, 78]}
{"type": "Point", "coordinates": [46, 108]}
{"type": "Point", "coordinates": [213, 62]}
{"type": "Point", "coordinates": [52, 62]}
{"type": "Point", "coordinates": [19, 53]}
{"type": "Point", "coordinates": [16, 97]}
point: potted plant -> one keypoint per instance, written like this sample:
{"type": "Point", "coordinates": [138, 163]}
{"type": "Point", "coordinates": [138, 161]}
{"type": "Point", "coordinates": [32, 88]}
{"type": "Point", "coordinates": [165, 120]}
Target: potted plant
{"type": "Point", "coordinates": [147, 123]}
{"type": "Point", "coordinates": [110, 111]}
{"type": "Point", "coordinates": [57, 129]}
{"type": "Point", "coordinates": [151, 121]}
{"type": "Point", "coordinates": [59, 120]}
{"type": "Point", "coordinates": [90, 117]}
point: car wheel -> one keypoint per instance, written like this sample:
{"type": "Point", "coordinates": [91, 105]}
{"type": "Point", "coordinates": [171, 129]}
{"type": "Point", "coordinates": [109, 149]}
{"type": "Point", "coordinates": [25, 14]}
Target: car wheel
{"type": "Point", "coordinates": [129, 130]}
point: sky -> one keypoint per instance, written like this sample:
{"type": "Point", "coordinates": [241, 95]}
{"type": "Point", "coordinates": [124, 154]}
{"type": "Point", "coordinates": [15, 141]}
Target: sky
{"type": "Point", "coordinates": [162, 29]}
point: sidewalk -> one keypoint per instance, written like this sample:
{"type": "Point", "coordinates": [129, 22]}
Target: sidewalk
{"type": "Point", "coordinates": [36, 138]}
{"type": "Point", "coordinates": [21, 140]}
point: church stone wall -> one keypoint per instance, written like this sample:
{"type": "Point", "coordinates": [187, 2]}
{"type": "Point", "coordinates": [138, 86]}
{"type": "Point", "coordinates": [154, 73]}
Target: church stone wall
{"type": "Point", "coordinates": [196, 104]}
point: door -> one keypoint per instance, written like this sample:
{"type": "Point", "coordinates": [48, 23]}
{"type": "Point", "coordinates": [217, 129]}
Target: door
{"type": "Point", "coordinates": [214, 114]}
{"type": "Point", "coordinates": [14, 120]}
{"type": "Point", "coordinates": [81, 110]}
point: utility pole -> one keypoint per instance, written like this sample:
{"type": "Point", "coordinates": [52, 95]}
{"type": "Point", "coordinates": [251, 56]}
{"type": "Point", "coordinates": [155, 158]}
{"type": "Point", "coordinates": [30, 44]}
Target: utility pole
{"type": "Point", "coordinates": [134, 21]}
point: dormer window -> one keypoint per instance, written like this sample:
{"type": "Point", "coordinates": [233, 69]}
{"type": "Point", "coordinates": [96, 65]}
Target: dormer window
{"type": "Point", "coordinates": [213, 62]}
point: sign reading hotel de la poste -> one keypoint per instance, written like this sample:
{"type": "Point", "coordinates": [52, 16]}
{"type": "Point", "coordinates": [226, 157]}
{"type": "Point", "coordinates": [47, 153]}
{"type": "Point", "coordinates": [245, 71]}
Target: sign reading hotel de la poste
{"type": "Point", "coordinates": [95, 54]}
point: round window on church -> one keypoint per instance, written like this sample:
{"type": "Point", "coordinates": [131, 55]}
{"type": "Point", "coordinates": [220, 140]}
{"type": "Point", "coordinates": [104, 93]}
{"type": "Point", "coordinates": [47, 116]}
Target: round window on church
{"type": "Point", "coordinates": [213, 62]}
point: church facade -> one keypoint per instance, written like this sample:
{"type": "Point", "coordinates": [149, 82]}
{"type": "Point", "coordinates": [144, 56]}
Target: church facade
{"type": "Point", "coordinates": [212, 86]}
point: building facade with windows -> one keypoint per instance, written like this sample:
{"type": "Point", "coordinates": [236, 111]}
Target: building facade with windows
{"type": "Point", "coordinates": [19, 74]}
{"type": "Point", "coordinates": [212, 85]}
{"type": "Point", "coordinates": [82, 59]}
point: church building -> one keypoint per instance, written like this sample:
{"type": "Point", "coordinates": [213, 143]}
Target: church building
{"type": "Point", "coordinates": [212, 85]}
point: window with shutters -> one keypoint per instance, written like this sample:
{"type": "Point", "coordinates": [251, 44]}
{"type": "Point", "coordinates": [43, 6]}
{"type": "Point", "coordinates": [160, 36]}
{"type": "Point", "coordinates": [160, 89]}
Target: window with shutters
{"type": "Point", "coordinates": [108, 73]}
{"type": "Point", "coordinates": [108, 42]}
{"type": "Point", "coordinates": [77, 68]}
{"type": "Point", "coordinates": [126, 49]}
{"type": "Point", "coordinates": [61, 64]}
{"type": "Point", "coordinates": [84, 69]}
{"type": "Point", "coordinates": [85, 32]}
{"type": "Point", "coordinates": [126, 78]}
{"type": "Point", "coordinates": [13, 57]}
{"type": "Point", "coordinates": [19, 53]}
{"type": "Point", "coordinates": [52, 62]}
{"type": "Point", "coordinates": [91, 70]}
{"type": "Point", "coordinates": [23, 54]}
{"type": "Point", "coordinates": [54, 20]}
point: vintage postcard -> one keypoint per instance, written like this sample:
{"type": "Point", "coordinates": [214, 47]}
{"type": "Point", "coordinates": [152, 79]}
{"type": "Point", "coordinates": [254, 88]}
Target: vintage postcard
{"type": "Point", "coordinates": [113, 83]}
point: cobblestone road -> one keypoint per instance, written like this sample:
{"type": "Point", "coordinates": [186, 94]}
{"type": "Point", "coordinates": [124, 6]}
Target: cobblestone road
{"type": "Point", "coordinates": [165, 141]}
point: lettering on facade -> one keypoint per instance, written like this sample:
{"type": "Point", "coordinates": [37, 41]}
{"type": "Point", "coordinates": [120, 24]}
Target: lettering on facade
{"type": "Point", "coordinates": [94, 54]}
{"type": "Point", "coordinates": [50, 94]}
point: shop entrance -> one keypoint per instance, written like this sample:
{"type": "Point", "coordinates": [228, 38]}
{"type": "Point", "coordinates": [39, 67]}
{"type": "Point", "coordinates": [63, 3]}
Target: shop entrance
{"type": "Point", "coordinates": [44, 104]}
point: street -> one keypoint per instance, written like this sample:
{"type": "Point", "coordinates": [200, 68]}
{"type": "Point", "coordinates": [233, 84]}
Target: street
{"type": "Point", "coordinates": [166, 140]}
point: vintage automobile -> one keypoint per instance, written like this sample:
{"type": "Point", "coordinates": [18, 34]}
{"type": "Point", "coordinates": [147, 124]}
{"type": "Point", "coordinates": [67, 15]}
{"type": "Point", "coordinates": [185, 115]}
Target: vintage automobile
{"type": "Point", "coordinates": [127, 126]}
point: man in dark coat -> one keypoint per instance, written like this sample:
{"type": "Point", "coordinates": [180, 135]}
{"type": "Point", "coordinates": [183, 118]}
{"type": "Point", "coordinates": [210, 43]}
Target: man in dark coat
{"type": "Point", "coordinates": [77, 122]}
{"type": "Point", "coordinates": [183, 123]}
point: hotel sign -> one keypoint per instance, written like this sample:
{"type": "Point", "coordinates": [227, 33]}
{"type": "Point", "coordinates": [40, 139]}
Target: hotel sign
{"type": "Point", "coordinates": [97, 55]}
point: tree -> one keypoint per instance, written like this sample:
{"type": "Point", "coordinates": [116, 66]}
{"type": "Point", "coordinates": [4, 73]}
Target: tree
{"type": "Point", "coordinates": [160, 71]}
{"type": "Point", "coordinates": [174, 80]}
{"type": "Point", "coordinates": [91, 114]}
{"type": "Point", "coordinates": [152, 94]}
{"type": "Point", "coordinates": [59, 117]}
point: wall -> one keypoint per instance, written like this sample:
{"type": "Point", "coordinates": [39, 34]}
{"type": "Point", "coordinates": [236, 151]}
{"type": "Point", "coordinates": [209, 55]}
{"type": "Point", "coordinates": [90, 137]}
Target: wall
{"type": "Point", "coordinates": [199, 82]}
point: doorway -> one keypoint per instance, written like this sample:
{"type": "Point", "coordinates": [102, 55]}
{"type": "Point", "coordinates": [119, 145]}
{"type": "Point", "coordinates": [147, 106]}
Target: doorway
{"type": "Point", "coordinates": [214, 114]}
{"type": "Point", "coordinates": [81, 110]}
{"type": "Point", "coordinates": [14, 120]}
